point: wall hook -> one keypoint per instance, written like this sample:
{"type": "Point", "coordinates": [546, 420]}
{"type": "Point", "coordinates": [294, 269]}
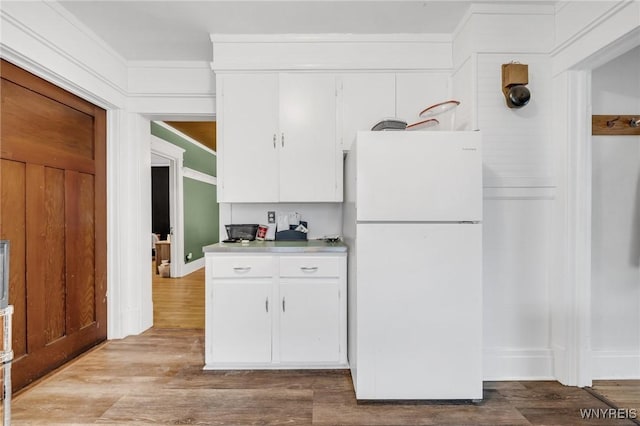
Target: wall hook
{"type": "Point", "coordinates": [634, 122]}
{"type": "Point", "coordinates": [612, 122]}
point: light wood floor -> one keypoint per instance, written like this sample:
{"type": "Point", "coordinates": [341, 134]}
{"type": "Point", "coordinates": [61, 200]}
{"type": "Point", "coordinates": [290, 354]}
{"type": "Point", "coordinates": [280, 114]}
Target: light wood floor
{"type": "Point", "coordinates": [178, 302]}
{"type": "Point", "coordinates": [157, 377]}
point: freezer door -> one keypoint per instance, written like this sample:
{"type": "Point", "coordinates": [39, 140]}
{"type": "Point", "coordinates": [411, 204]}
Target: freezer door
{"type": "Point", "coordinates": [419, 311]}
{"type": "Point", "coordinates": [419, 176]}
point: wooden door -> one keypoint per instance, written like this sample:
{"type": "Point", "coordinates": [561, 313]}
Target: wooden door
{"type": "Point", "coordinates": [53, 211]}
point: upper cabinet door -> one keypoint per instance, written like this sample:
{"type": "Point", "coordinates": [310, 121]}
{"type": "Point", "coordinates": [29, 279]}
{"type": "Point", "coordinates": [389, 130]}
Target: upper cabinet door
{"type": "Point", "coordinates": [415, 91]}
{"type": "Point", "coordinates": [309, 156]}
{"type": "Point", "coordinates": [365, 99]}
{"type": "Point", "coordinates": [248, 137]}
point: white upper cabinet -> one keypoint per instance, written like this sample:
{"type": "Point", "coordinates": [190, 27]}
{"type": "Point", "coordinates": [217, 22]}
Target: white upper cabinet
{"type": "Point", "coordinates": [415, 91]}
{"type": "Point", "coordinates": [247, 137]}
{"type": "Point", "coordinates": [364, 99]}
{"type": "Point", "coordinates": [310, 161]}
{"type": "Point", "coordinates": [277, 138]}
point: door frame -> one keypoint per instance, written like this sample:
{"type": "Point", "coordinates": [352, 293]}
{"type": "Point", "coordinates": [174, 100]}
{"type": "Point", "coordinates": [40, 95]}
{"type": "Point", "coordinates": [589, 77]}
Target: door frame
{"type": "Point", "coordinates": [174, 155]}
{"type": "Point", "coordinates": [573, 361]}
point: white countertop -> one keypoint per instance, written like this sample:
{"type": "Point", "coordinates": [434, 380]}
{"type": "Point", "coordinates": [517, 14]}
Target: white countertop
{"type": "Point", "coordinates": [310, 246]}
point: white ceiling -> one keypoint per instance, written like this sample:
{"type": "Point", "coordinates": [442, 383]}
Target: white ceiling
{"type": "Point", "coordinates": [179, 30]}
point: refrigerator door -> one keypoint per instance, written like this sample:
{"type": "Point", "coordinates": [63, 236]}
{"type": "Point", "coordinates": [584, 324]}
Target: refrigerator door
{"type": "Point", "coordinates": [419, 311]}
{"type": "Point", "coordinates": [419, 176]}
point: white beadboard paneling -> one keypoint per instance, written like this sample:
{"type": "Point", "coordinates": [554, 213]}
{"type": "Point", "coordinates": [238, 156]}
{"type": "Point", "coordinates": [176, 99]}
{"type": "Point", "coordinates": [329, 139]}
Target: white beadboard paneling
{"type": "Point", "coordinates": [516, 292]}
{"type": "Point", "coordinates": [463, 90]}
{"type": "Point", "coordinates": [516, 142]}
{"type": "Point", "coordinates": [500, 29]}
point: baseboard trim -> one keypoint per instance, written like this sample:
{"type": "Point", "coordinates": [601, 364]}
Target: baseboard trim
{"type": "Point", "coordinates": [518, 364]}
{"type": "Point", "coordinates": [609, 365]}
{"type": "Point", "coordinates": [191, 267]}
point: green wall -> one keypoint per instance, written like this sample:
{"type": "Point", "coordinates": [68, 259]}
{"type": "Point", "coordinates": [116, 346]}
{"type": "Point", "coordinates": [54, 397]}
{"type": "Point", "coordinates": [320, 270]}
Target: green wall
{"type": "Point", "coordinates": [201, 212]}
{"type": "Point", "coordinates": [200, 217]}
{"type": "Point", "coordinates": [195, 157]}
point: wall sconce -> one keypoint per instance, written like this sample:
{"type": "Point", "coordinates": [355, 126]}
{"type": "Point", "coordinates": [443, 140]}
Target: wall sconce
{"type": "Point", "coordinates": [515, 77]}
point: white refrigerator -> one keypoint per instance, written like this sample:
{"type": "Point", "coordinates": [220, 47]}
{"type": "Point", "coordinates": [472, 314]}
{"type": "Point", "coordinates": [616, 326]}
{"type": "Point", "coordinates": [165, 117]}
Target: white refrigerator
{"type": "Point", "coordinates": [413, 224]}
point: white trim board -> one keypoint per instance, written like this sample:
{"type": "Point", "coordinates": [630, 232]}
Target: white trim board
{"type": "Point", "coordinates": [185, 137]}
{"type": "Point", "coordinates": [193, 266]}
{"type": "Point", "coordinates": [174, 154]}
{"type": "Point", "coordinates": [517, 364]}
{"type": "Point", "coordinates": [199, 176]}
{"type": "Point", "coordinates": [609, 365]}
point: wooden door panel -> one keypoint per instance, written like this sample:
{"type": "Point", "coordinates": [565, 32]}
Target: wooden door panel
{"type": "Point", "coordinates": [80, 244]}
{"type": "Point", "coordinates": [44, 131]}
{"type": "Point", "coordinates": [53, 210]}
{"type": "Point", "coordinates": [12, 228]}
{"type": "Point", "coordinates": [53, 245]}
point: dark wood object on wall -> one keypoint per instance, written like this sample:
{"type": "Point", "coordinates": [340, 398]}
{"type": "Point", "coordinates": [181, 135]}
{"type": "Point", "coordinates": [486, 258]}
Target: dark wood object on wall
{"type": "Point", "coordinates": [615, 125]}
{"type": "Point", "coordinates": [53, 211]}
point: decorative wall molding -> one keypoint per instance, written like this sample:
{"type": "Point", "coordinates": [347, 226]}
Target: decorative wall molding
{"type": "Point", "coordinates": [317, 52]}
{"type": "Point", "coordinates": [518, 364]}
{"type": "Point", "coordinates": [199, 176]}
{"type": "Point", "coordinates": [185, 137]}
{"type": "Point", "coordinates": [191, 267]}
{"type": "Point", "coordinates": [602, 35]}
{"type": "Point", "coordinates": [610, 365]}
{"type": "Point", "coordinates": [520, 193]}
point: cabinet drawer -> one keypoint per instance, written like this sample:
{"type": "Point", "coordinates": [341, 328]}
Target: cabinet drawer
{"type": "Point", "coordinates": [242, 266]}
{"type": "Point", "coordinates": [310, 266]}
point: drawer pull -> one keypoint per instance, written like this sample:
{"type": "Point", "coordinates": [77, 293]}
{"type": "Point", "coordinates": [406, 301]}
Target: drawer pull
{"type": "Point", "coordinates": [283, 305]}
{"type": "Point", "coordinates": [308, 268]}
{"type": "Point", "coordinates": [242, 268]}
{"type": "Point", "coordinates": [266, 304]}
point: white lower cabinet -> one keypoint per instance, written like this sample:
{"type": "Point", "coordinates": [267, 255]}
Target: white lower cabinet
{"type": "Point", "coordinates": [275, 311]}
{"type": "Point", "coordinates": [309, 321]}
{"type": "Point", "coordinates": [242, 321]}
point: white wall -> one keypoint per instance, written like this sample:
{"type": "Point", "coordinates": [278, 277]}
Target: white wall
{"type": "Point", "coordinates": [615, 260]}
{"type": "Point", "coordinates": [518, 183]}
{"type": "Point", "coordinates": [324, 218]}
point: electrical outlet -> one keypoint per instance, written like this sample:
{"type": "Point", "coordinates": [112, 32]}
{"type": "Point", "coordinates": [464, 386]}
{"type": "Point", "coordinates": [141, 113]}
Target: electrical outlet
{"type": "Point", "coordinates": [271, 216]}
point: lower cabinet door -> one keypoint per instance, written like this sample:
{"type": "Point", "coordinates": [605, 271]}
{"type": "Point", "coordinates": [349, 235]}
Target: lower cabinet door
{"type": "Point", "coordinates": [309, 321]}
{"type": "Point", "coordinates": [241, 321]}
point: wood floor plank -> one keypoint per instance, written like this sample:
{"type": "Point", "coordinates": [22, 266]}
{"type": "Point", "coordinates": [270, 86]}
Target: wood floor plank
{"type": "Point", "coordinates": [178, 302]}
{"type": "Point", "coordinates": [157, 377]}
{"type": "Point", "coordinates": [623, 393]}
{"type": "Point", "coordinates": [214, 407]}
